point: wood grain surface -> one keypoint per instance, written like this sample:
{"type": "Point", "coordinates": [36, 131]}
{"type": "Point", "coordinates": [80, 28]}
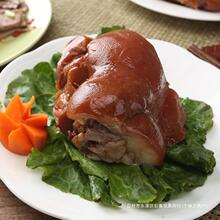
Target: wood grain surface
{"type": "Point", "coordinates": [12, 208]}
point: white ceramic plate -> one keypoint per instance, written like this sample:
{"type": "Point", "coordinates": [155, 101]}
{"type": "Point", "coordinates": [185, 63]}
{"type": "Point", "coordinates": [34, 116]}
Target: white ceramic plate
{"type": "Point", "coordinates": [188, 75]}
{"type": "Point", "coordinates": [40, 11]}
{"type": "Point", "coordinates": [175, 10]}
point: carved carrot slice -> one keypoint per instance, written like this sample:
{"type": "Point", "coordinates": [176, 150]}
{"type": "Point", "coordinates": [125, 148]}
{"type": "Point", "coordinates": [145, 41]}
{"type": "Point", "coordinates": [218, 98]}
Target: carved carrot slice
{"type": "Point", "coordinates": [37, 136]}
{"type": "Point", "coordinates": [27, 107]}
{"type": "Point", "coordinates": [15, 109]}
{"type": "Point", "coordinates": [39, 120]}
{"type": "Point", "coordinates": [20, 131]}
{"type": "Point", "coordinates": [18, 142]}
{"type": "Point", "coordinates": [6, 126]}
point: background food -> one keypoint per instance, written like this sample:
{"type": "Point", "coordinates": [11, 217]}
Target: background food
{"type": "Point", "coordinates": [210, 5]}
{"type": "Point", "coordinates": [13, 18]}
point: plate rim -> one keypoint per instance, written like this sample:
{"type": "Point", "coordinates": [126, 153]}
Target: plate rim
{"type": "Point", "coordinates": [137, 2]}
{"type": "Point", "coordinates": [4, 73]}
{"type": "Point", "coordinates": [32, 43]}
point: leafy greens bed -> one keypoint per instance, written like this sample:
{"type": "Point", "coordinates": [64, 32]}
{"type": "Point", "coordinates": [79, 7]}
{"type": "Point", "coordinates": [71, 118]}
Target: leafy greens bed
{"type": "Point", "coordinates": [186, 166]}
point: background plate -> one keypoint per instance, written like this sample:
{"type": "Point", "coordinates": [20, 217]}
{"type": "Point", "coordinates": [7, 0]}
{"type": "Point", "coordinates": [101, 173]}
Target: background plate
{"type": "Point", "coordinates": [175, 10]}
{"type": "Point", "coordinates": [41, 12]}
{"type": "Point", "coordinates": [188, 75]}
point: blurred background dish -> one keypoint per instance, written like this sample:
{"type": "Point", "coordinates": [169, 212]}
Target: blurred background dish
{"type": "Point", "coordinates": [207, 5]}
{"type": "Point", "coordinates": [22, 24]}
{"type": "Point", "coordinates": [176, 10]}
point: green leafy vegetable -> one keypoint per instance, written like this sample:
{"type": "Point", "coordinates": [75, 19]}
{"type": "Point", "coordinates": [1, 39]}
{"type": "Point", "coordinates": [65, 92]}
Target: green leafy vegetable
{"type": "Point", "coordinates": [113, 28]}
{"type": "Point", "coordinates": [34, 82]}
{"type": "Point", "coordinates": [126, 182]}
{"type": "Point", "coordinates": [164, 191]}
{"type": "Point", "coordinates": [39, 82]}
{"type": "Point", "coordinates": [182, 179]}
{"type": "Point", "coordinates": [100, 191]}
{"type": "Point", "coordinates": [54, 61]}
{"type": "Point", "coordinates": [194, 156]}
{"type": "Point", "coordinates": [44, 104]}
{"type": "Point", "coordinates": [186, 166]}
{"type": "Point", "coordinates": [67, 176]}
{"type": "Point", "coordinates": [198, 122]}
{"type": "Point", "coordinates": [171, 179]}
{"type": "Point", "coordinates": [191, 152]}
{"type": "Point", "coordinates": [52, 154]}
{"type": "Point", "coordinates": [58, 167]}
{"type": "Point", "coordinates": [90, 167]}
{"type": "Point", "coordinates": [130, 184]}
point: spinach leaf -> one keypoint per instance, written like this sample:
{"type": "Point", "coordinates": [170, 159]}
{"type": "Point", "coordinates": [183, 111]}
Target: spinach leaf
{"type": "Point", "coordinates": [181, 179]}
{"type": "Point", "coordinates": [67, 176]}
{"type": "Point", "coordinates": [113, 28]}
{"type": "Point", "coordinates": [100, 191]}
{"type": "Point", "coordinates": [164, 190]}
{"type": "Point", "coordinates": [194, 156]}
{"type": "Point", "coordinates": [44, 104]}
{"type": "Point", "coordinates": [33, 82]}
{"type": "Point", "coordinates": [53, 153]}
{"type": "Point", "coordinates": [54, 61]}
{"type": "Point", "coordinates": [172, 179]}
{"type": "Point", "coordinates": [125, 182]}
{"type": "Point", "coordinates": [128, 183]}
{"type": "Point", "coordinates": [58, 169]}
{"type": "Point", "coordinates": [90, 167]}
{"type": "Point", "coordinates": [39, 82]}
{"type": "Point", "coordinates": [191, 151]}
{"type": "Point", "coordinates": [198, 121]}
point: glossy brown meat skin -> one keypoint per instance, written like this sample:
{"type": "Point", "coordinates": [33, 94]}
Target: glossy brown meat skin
{"type": "Point", "coordinates": [210, 5]}
{"type": "Point", "coordinates": [126, 91]}
{"type": "Point", "coordinates": [72, 71]}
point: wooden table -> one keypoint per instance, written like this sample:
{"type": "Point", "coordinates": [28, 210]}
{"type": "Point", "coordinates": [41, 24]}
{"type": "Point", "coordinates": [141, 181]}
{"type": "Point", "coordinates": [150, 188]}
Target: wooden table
{"type": "Point", "coordinates": [12, 208]}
